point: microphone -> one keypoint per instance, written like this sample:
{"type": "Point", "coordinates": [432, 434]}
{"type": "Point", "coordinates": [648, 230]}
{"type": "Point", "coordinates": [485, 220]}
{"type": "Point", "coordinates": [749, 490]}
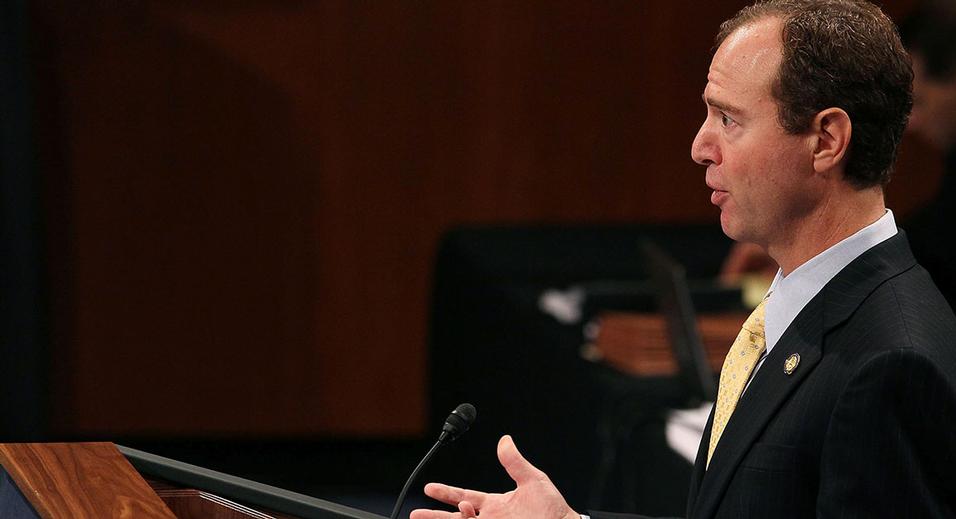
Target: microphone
{"type": "Point", "coordinates": [456, 424]}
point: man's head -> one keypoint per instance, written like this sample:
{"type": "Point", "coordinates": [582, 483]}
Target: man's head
{"type": "Point", "coordinates": [928, 34]}
{"type": "Point", "coordinates": [801, 95]}
{"type": "Point", "coordinates": [844, 54]}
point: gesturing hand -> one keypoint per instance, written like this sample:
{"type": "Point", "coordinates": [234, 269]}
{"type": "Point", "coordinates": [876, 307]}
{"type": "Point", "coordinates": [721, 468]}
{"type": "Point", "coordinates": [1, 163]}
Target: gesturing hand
{"type": "Point", "coordinates": [534, 498]}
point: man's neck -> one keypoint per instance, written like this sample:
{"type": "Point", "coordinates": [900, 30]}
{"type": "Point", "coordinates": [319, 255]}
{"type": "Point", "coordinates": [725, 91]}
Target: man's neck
{"type": "Point", "coordinates": [834, 220]}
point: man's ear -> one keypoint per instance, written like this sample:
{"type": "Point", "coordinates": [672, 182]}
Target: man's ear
{"type": "Point", "coordinates": [832, 130]}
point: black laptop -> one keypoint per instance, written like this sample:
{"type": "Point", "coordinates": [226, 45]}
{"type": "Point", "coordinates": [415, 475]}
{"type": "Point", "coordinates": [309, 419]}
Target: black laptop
{"type": "Point", "coordinates": [673, 296]}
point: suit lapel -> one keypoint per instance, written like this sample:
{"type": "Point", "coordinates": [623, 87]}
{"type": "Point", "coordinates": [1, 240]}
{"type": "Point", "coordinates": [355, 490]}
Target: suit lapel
{"type": "Point", "coordinates": [770, 386]}
{"type": "Point", "coordinates": [699, 466]}
{"type": "Point", "coordinates": [759, 403]}
{"type": "Point", "coordinates": [845, 292]}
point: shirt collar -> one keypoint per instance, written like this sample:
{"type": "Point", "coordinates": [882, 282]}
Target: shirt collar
{"type": "Point", "coordinates": [788, 295]}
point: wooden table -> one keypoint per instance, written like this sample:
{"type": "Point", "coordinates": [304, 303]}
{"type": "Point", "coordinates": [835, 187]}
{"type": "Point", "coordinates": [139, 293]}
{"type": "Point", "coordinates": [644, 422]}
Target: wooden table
{"type": "Point", "coordinates": [638, 344]}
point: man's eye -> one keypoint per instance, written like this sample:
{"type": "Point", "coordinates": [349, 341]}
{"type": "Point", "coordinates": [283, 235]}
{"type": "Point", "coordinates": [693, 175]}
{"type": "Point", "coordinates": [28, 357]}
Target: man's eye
{"type": "Point", "coordinates": [725, 120]}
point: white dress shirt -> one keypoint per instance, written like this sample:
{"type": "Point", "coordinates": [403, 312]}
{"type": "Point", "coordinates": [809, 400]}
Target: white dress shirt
{"type": "Point", "coordinates": [789, 294]}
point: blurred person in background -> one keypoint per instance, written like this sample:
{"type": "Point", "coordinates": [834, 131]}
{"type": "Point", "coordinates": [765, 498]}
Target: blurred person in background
{"type": "Point", "coordinates": [929, 34]}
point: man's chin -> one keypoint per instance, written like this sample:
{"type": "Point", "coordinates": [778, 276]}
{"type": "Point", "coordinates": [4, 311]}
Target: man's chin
{"type": "Point", "coordinates": [735, 231]}
{"type": "Point", "coordinates": [729, 227]}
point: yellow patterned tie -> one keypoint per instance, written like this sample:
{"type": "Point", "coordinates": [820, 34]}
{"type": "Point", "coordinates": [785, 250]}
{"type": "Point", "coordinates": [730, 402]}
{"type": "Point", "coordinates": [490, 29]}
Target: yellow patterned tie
{"type": "Point", "coordinates": [747, 349]}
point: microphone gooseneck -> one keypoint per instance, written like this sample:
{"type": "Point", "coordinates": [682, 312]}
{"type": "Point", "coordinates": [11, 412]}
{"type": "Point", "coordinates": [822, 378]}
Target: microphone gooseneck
{"type": "Point", "coordinates": [456, 424]}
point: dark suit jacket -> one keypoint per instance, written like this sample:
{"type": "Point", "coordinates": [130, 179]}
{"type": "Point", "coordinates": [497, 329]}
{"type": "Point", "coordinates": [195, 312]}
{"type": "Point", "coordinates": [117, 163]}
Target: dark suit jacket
{"type": "Point", "coordinates": [866, 424]}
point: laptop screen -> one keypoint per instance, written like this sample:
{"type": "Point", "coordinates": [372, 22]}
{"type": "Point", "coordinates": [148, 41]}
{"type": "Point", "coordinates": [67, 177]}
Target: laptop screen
{"type": "Point", "coordinates": [674, 303]}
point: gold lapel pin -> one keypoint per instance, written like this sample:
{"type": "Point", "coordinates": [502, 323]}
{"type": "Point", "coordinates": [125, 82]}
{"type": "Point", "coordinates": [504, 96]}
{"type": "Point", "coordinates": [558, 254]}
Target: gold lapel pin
{"type": "Point", "coordinates": [791, 363]}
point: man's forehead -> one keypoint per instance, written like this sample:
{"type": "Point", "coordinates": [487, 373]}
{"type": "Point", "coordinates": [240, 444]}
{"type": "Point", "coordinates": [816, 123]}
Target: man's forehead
{"type": "Point", "coordinates": [751, 42]}
{"type": "Point", "coordinates": [752, 52]}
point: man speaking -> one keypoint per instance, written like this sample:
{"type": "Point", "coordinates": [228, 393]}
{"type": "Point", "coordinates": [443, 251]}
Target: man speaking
{"type": "Point", "coordinates": [838, 397]}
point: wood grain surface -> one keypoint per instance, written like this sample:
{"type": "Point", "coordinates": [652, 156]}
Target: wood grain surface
{"type": "Point", "coordinates": [80, 481]}
{"type": "Point", "coordinates": [188, 503]}
{"type": "Point", "coordinates": [638, 343]}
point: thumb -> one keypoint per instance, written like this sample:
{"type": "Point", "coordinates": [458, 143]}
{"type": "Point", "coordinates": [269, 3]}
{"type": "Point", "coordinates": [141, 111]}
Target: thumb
{"type": "Point", "coordinates": [514, 463]}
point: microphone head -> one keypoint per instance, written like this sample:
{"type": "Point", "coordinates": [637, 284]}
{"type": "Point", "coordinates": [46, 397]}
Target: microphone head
{"type": "Point", "coordinates": [458, 422]}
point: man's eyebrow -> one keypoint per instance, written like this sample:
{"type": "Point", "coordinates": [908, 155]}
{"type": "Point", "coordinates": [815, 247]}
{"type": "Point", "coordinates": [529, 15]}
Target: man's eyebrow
{"type": "Point", "coordinates": [723, 107]}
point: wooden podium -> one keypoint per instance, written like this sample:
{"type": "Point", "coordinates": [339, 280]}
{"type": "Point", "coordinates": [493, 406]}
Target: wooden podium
{"type": "Point", "coordinates": [102, 480]}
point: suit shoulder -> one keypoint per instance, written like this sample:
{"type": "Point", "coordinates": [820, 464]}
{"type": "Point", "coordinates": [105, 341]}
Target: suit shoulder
{"type": "Point", "coordinates": [907, 312]}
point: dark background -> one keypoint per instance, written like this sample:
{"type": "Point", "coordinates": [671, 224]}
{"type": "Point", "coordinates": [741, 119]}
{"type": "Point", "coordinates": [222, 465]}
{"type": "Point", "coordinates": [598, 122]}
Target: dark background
{"type": "Point", "coordinates": [221, 218]}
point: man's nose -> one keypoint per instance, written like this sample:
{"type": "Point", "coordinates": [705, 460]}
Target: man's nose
{"type": "Point", "coordinates": [704, 150]}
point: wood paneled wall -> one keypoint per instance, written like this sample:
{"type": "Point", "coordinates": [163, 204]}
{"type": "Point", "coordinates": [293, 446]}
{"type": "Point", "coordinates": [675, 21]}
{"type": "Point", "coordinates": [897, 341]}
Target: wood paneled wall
{"type": "Point", "coordinates": [245, 197]}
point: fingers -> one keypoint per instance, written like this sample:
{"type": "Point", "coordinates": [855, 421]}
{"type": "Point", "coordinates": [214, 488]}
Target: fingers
{"type": "Point", "coordinates": [434, 514]}
{"type": "Point", "coordinates": [467, 510]}
{"type": "Point", "coordinates": [453, 495]}
{"type": "Point", "coordinates": [520, 470]}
